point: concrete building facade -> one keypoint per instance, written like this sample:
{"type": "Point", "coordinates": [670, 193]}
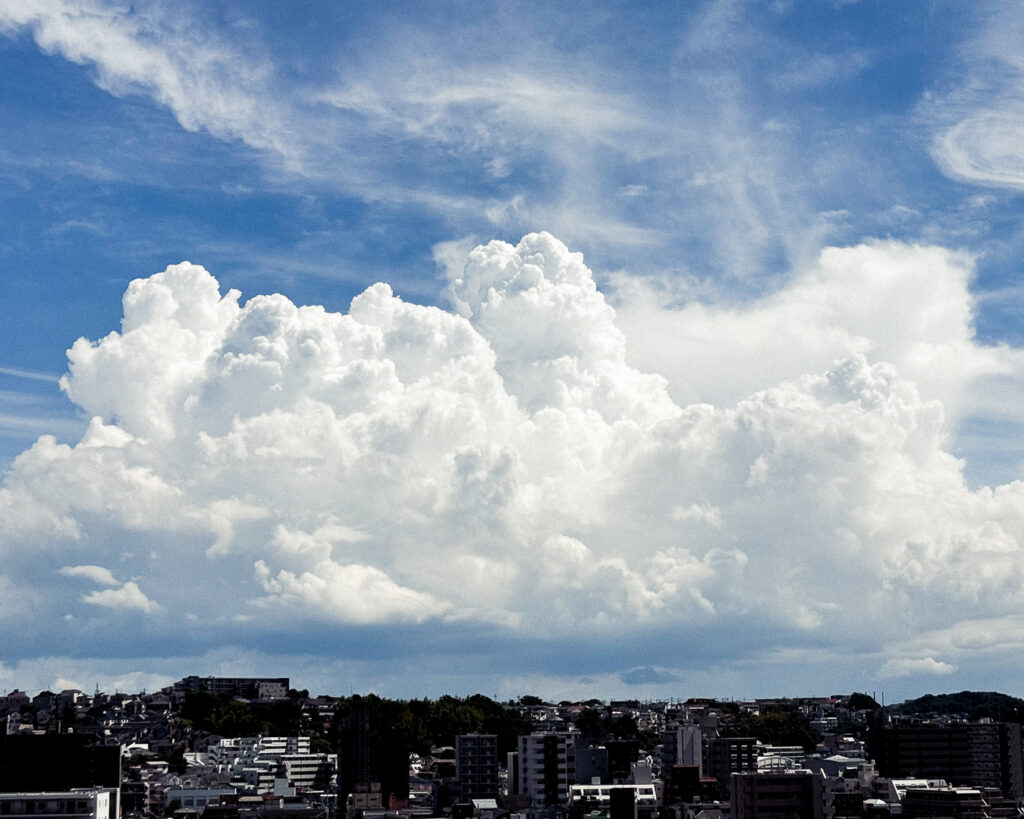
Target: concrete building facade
{"type": "Point", "coordinates": [777, 796]}
{"type": "Point", "coordinates": [547, 767]}
{"type": "Point", "coordinates": [77, 803]}
{"type": "Point", "coordinates": [476, 766]}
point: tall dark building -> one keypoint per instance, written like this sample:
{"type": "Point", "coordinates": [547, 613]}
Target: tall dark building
{"type": "Point", "coordinates": [985, 755]}
{"type": "Point", "coordinates": [955, 803]}
{"type": "Point", "coordinates": [777, 795]}
{"type": "Point", "coordinates": [591, 763]}
{"type": "Point", "coordinates": [371, 751]}
{"type": "Point", "coordinates": [622, 753]}
{"type": "Point", "coordinates": [682, 784]}
{"type": "Point", "coordinates": [925, 752]}
{"type": "Point", "coordinates": [476, 765]}
{"type": "Point", "coordinates": [623, 804]}
{"type": "Point", "coordinates": [724, 756]}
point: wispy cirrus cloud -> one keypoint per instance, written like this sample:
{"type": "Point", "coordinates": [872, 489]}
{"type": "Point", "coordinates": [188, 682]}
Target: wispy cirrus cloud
{"type": "Point", "coordinates": [32, 375]}
{"type": "Point", "coordinates": [532, 134]}
{"type": "Point", "coordinates": [142, 49]}
{"type": "Point", "coordinates": [978, 120]}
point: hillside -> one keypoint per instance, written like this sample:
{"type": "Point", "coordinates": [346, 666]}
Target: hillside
{"type": "Point", "coordinates": [972, 704]}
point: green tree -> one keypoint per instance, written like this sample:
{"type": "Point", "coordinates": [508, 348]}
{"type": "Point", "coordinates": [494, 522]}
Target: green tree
{"type": "Point", "coordinates": [283, 717]}
{"type": "Point", "coordinates": [860, 702]}
{"type": "Point", "coordinates": [422, 724]}
{"type": "Point", "coordinates": [625, 727]}
{"type": "Point", "coordinates": [176, 759]}
{"type": "Point", "coordinates": [223, 715]}
{"type": "Point", "coordinates": [778, 726]}
{"type": "Point", "coordinates": [593, 724]}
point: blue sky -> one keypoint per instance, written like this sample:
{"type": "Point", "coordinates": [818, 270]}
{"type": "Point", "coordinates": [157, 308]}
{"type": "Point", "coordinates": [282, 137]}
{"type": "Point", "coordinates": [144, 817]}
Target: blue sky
{"type": "Point", "coordinates": [773, 408]}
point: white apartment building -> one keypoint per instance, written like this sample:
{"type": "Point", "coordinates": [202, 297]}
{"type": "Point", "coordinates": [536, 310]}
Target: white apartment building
{"type": "Point", "coordinates": [231, 753]}
{"type": "Point", "coordinates": [196, 797]}
{"type": "Point", "coordinates": [600, 796]}
{"type": "Point", "coordinates": [309, 771]}
{"type": "Point", "coordinates": [278, 746]}
{"type": "Point", "coordinates": [256, 762]}
{"type": "Point", "coordinates": [547, 767]}
{"type": "Point", "coordinates": [77, 803]}
{"type": "Point", "coordinates": [682, 745]}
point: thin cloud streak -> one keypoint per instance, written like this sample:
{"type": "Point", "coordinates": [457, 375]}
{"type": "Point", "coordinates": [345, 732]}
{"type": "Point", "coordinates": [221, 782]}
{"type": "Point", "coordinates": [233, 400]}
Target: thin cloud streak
{"type": "Point", "coordinates": [539, 138]}
{"type": "Point", "coordinates": [978, 123]}
{"type": "Point", "coordinates": [32, 375]}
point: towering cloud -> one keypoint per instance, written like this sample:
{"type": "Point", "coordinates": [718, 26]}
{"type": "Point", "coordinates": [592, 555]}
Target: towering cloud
{"type": "Point", "coordinates": [502, 469]}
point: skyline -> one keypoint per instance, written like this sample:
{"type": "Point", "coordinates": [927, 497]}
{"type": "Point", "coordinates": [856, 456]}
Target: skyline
{"type": "Point", "coordinates": [500, 348]}
{"type": "Point", "coordinates": [525, 699]}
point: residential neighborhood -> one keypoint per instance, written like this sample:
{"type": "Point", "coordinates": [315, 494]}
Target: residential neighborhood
{"type": "Point", "coordinates": [256, 748]}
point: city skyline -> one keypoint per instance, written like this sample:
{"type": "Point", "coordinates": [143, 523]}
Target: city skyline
{"type": "Point", "coordinates": [499, 348]}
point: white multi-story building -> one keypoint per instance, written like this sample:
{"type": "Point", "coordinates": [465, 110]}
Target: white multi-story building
{"type": "Point", "coordinates": [77, 803]}
{"type": "Point", "coordinates": [254, 763]}
{"type": "Point", "coordinates": [547, 767]}
{"type": "Point", "coordinates": [309, 771]}
{"type": "Point", "coordinates": [196, 797]}
{"type": "Point", "coordinates": [264, 688]}
{"type": "Point", "coordinates": [256, 777]}
{"type": "Point", "coordinates": [278, 746]}
{"type": "Point", "coordinates": [240, 751]}
{"type": "Point", "coordinates": [682, 745]}
{"type": "Point", "coordinates": [600, 796]}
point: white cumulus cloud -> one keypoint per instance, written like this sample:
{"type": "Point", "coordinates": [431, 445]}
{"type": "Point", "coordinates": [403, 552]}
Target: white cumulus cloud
{"type": "Point", "coordinates": [906, 666]}
{"type": "Point", "coordinates": [352, 593]}
{"type": "Point", "coordinates": [127, 596]}
{"type": "Point", "coordinates": [97, 574]}
{"type": "Point", "coordinates": [506, 469]}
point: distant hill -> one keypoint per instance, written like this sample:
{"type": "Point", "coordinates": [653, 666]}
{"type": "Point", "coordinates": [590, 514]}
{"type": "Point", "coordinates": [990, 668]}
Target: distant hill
{"type": "Point", "coordinates": [972, 704]}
